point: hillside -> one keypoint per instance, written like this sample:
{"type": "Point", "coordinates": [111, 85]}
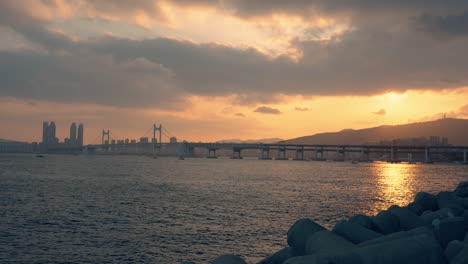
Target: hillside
{"type": "Point", "coordinates": [455, 129]}
{"type": "Point", "coordinates": [251, 141]}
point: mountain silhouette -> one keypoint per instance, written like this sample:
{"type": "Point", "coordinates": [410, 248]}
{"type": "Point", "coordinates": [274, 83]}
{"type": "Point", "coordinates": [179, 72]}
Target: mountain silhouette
{"type": "Point", "coordinates": [456, 130]}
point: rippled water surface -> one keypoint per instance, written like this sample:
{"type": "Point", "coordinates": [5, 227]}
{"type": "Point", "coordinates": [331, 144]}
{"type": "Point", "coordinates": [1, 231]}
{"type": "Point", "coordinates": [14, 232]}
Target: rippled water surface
{"type": "Point", "coordinates": [128, 209]}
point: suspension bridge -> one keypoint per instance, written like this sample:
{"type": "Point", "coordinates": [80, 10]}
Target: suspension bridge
{"type": "Point", "coordinates": [110, 143]}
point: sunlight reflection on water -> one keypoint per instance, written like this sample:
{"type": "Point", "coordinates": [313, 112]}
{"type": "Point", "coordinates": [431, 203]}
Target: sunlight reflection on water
{"type": "Point", "coordinates": [395, 183]}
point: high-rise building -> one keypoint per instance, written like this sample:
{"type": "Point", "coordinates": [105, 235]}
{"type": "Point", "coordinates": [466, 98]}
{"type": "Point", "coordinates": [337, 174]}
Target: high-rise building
{"type": "Point", "coordinates": [434, 141]}
{"type": "Point", "coordinates": [51, 132]}
{"type": "Point", "coordinates": [73, 134]}
{"type": "Point", "coordinates": [173, 140]}
{"type": "Point", "coordinates": [45, 132]}
{"type": "Point", "coordinates": [80, 135]}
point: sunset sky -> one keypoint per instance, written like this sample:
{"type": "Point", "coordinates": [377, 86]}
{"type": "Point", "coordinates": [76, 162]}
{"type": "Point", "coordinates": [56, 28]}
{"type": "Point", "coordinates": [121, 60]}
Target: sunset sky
{"type": "Point", "coordinates": [222, 69]}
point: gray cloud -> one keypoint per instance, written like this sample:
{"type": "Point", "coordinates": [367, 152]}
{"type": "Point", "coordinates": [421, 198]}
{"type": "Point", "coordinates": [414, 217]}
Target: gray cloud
{"type": "Point", "coordinates": [367, 60]}
{"type": "Point", "coordinates": [267, 110]}
{"type": "Point", "coordinates": [380, 112]}
{"type": "Point", "coordinates": [443, 26]}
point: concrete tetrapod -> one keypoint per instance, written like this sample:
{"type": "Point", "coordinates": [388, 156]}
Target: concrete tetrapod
{"type": "Point", "coordinates": [362, 220]}
{"type": "Point", "coordinates": [300, 232]}
{"type": "Point", "coordinates": [324, 241]}
{"type": "Point", "coordinates": [418, 249]}
{"type": "Point", "coordinates": [354, 232]}
{"type": "Point", "coordinates": [426, 200]}
{"type": "Point", "coordinates": [453, 248]}
{"type": "Point", "coordinates": [450, 200]}
{"type": "Point", "coordinates": [462, 189]}
{"type": "Point", "coordinates": [451, 229]}
{"type": "Point", "coordinates": [428, 230]}
{"type": "Point", "coordinates": [386, 222]}
{"type": "Point", "coordinates": [229, 259]}
{"type": "Point", "coordinates": [408, 219]}
{"type": "Point", "coordinates": [280, 256]}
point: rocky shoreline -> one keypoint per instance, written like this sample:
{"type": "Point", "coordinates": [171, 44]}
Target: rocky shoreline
{"type": "Point", "coordinates": [430, 230]}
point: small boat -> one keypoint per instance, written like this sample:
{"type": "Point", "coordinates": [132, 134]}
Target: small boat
{"type": "Point", "coordinates": [354, 162]}
{"type": "Point", "coordinates": [39, 156]}
{"type": "Point", "coordinates": [412, 162]}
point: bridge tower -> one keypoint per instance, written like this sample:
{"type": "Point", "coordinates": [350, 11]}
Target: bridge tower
{"type": "Point", "coordinates": [105, 137]}
{"type": "Point", "coordinates": [156, 128]}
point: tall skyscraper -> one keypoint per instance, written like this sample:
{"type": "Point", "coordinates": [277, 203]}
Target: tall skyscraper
{"type": "Point", "coordinates": [80, 135]}
{"type": "Point", "coordinates": [73, 134]}
{"type": "Point", "coordinates": [52, 139]}
{"type": "Point", "coordinates": [45, 132]}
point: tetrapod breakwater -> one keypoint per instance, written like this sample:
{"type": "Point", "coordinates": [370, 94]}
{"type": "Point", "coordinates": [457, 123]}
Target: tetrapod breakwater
{"type": "Point", "coordinates": [430, 230]}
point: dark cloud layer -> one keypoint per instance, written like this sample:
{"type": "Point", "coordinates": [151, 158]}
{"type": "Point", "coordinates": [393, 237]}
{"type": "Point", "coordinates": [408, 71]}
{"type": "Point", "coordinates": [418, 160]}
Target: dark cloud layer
{"type": "Point", "coordinates": [387, 49]}
{"type": "Point", "coordinates": [445, 26]}
{"type": "Point", "coordinates": [267, 110]}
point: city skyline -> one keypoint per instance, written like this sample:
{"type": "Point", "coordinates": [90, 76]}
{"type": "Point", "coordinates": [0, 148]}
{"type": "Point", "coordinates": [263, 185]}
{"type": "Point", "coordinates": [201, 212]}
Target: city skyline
{"type": "Point", "coordinates": [213, 70]}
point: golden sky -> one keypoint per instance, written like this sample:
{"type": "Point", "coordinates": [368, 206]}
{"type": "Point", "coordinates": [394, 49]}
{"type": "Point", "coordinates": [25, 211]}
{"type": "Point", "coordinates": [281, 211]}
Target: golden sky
{"type": "Point", "coordinates": [211, 70]}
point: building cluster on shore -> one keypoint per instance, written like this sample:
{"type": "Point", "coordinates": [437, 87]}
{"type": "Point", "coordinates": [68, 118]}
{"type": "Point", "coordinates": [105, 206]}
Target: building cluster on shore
{"type": "Point", "coordinates": [430, 230]}
{"type": "Point", "coordinates": [418, 141]}
{"type": "Point", "coordinates": [49, 138]}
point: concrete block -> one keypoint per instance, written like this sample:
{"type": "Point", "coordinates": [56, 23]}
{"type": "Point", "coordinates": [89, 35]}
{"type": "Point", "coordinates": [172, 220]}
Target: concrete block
{"type": "Point", "coordinates": [326, 241]}
{"type": "Point", "coordinates": [279, 257]}
{"type": "Point", "coordinates": [300, 232]}
{"type": "Point", "coordinates": [465, 203]}
{"type": "Point", "coordinates": [462, 256]}
{"type": "Point", "coordinates": [327, 258]}
{"type": "Point", "coordinates": [408, 219]}
{"type": "Point", "coordinates": [450, 229]}
{"type": "Point", "coordinates": [428, 230]}
{"type": "Point", "coordinates": [439, 214]}
{"type": "Point", "coordinates": [450, 200]}
{"type": "Point", "coordinates": [462, 189]}
{"type": "Point", "coordinates": [228, 259]}
{"type": "Point", "coordinates": [453, 248]}
{"type": "Point", "coordinates": [426, 200]}
{"type": "Point", "coordinates": [362, 220]}
{"type": "Point", "coordinates": [415, 208]}
{"type": "Point", "coordinates": [386, 223]}
{"type": "Point", "coordinates": [354, 232]}
{"type": "Point", "coordinates": [419, 249]}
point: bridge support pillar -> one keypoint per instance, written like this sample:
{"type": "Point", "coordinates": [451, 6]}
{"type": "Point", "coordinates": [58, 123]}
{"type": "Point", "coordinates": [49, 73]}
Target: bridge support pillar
{"type": "Point", "coordinates": [427, 155]}
{"type": "Point", "coordinates": [236, 153]}
{"type": "Point", "coordinates": [410, 157]}
{"type": "Point", "coordinates": [465, 156]}
{"type": "Point", "coordinates": [281, 154]}
{"type": "Point", "coordinates": [393, 155]}
{"type": "Point", "coordinates": [212, 153]}
{"type": "Point", "coordinates": [340, 154]}
{"type": "Point", "coordinates": [364, 154]}
{"type": "Point", "coordinates": [265, 154]}
{"type": "Point", "coordinates": [299, 153]}
{"type": "Point", "coordinates": [319, 154]}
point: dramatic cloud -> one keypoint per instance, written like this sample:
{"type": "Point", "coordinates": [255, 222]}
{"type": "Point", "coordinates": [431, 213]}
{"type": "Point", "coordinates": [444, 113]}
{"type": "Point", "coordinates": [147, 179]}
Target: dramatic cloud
{"type": "Point", "coordinates": [386, 53]}
{"type": "Point", "coordinates": [267, 110]}
{"type": "Point", "coordinates": [450, 25]}
{"type": "Point", "coordinates": [301, 109]}
{"type": "Point", "coordinates": [380, 112]}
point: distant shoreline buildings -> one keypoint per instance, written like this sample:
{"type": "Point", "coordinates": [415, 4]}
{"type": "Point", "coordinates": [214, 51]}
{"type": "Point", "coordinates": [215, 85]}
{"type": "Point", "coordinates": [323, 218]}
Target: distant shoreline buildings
{"type": "Point", "coordinates": [417, 141]}
{"type": "Point", "coordinates": [49, 139]}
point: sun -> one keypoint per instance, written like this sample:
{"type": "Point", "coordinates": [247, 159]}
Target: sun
{"type": "Point", "coordinates": [394, 96]}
